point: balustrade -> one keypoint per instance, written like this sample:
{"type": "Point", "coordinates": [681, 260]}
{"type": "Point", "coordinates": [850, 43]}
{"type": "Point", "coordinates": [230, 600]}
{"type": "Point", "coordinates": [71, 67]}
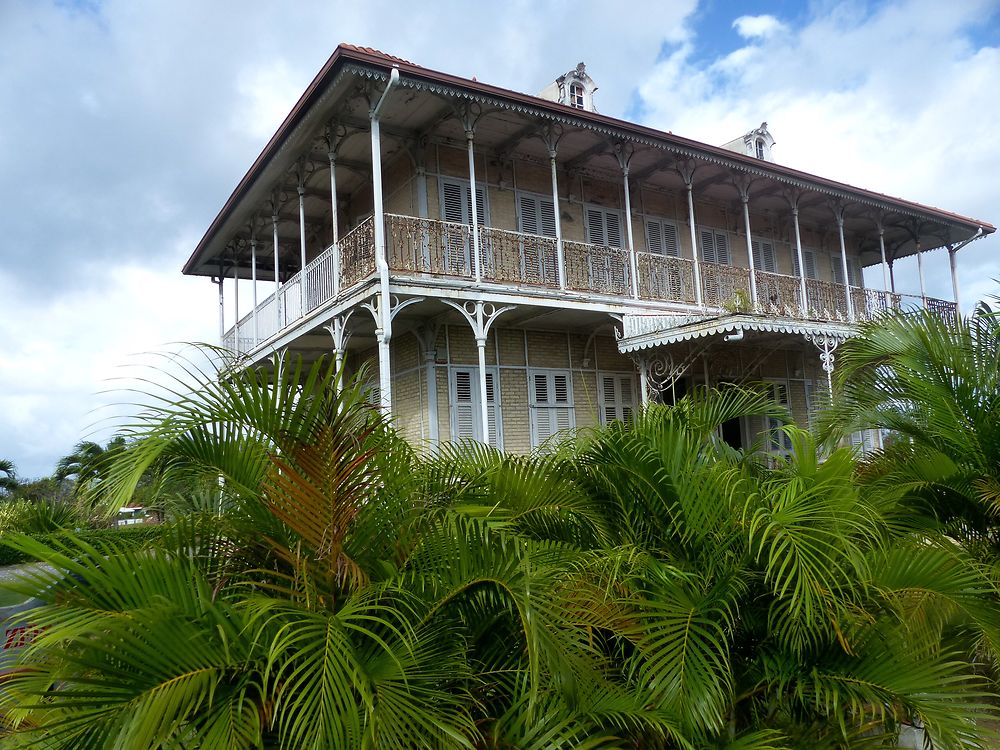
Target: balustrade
{"type": "Point", "coordinates": [778, 294]}
{"type": "Point", "coordinates": [319, 279]}
{"type": "Point", "coordinates": [516, 258]}
{"type": "Point", "coordinates": [357, 254]}
{"type": "Point", "coordinates": [664, 277]}
{"type": "Point", "coordinates": [726, 287]}
{"type": "Point", "coordinates": [597, 268]}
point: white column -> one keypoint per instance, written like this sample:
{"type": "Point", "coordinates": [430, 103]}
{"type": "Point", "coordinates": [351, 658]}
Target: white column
{"type": "Point", "coordinates": [481, 349]}
{"type": "Point", "coordinates": [334, 221]}
{"type": "Point", "coordinates": [801, 259]}
{"type": "Point", "coordinates": [952, 250]}
{"type": "Point", "coordinates": [236, 303]}
{"type": "Point", "coordinates": [222, 309]}
{"type": "Point", "coordinates": [560, 254]}
{"type": "Point", "coordinates": [920, 273]}
{"type": "Point", "coordinates": [430, 358]}
{"type": "Point", "coordinates": [477, 261]}
{"type": "Point", "coordinates": [843, 264]}
{"type": "Point", "coordinates": [302, 229]}
{"type": "Point", "coordinates": [694, 242]}
{"type": "Point", "coordinates": [384, 328]}
{"type": "Point", "coordinates": [280, 323]}
{"type": "Point", "coordinates": [746, 224]}
{"type": "Point", "coordinates": [881, 248]}
{"type": "Point", "coordinates": [644, 382]}
{"type": "Point", "coordinates": [253, 276]}
{"type": "Point", "coordinates": [633, 260]}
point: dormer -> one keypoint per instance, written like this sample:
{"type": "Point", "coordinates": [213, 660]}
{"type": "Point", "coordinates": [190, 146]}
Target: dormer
{"type": "Point", "coordinates": [575, 89]}
{"type": "Point", "coordinates": [757, 143]}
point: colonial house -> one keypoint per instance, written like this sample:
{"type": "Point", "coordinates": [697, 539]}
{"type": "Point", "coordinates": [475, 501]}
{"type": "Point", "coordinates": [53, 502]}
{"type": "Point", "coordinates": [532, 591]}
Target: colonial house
{"type": "Point", "coordinates": [513, 265]}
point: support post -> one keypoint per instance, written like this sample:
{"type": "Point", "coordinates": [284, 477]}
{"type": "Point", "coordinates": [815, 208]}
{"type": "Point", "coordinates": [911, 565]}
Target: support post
{"type": "Point", "coordinates": [384, 326]}
{"type": "Point", "coordinates": [278, 317]}
{"type": "Point", "coordinates": [560, 252]}
{"type": "Point", "coordinates": [428, 341]}
{"type": "Point", "coordinates": [332, 141]}
{"type": "Point", "coordinates": [236, 303]}
{"type": "Point", "coordinates": [839, 212]}
{"type": "Point", "coordinates": [253, 276]}
{"type": "Point", "coordinates": [477, 263]}
{"type": "Point", "coordinates": [952, 250]}
{"type": "Point", "coordinates": [744, 188]}
{"type": "Point", "coordinates": [222, 307]}
{"type": "Point", "coordinates": [881, 249]}
{"type": "Point", "coordinates": [624, 153]}
{"type": "Point", "coordinates": [804, 308]}
{"type": "Point", "coordinates": [340, 335]}
{"type": "Point", "coordinates": [644, 381]}
{"type": "Point", "coordinates": [920, 273]}
{"type": "Point", "coordinates": [687, 173]}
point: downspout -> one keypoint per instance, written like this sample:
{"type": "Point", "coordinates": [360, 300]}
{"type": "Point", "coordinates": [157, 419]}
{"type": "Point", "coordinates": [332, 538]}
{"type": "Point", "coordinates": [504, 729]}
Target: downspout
{"type": "Point", "coordinates": [381, 257]}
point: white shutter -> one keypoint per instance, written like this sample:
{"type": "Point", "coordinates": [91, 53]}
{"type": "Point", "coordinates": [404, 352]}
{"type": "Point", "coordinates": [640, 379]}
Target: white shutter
{"type": "Point", "coordinates": [837, 269]}
{"type": "Point", "coordinates": [604, 227]}
{"type": "Point", "coordinates": [763, 256]}
{"type": "Point", "coordinates": [617, 394]}
{"type": "Point", "coordinates": [715, 247]}
{"type": "Point", "coordinates": [809, 258]}
{"type": "Point", "coordinates": [551, 404]}
{"type": "Point", "coordinates": [536, 215]}
{"type": "Point", "coordinates": [463, 405]}
{"type": "Point", "coordinates": [661, 238]}
{"type": "Point", "coordinates": [466, 416]}
{"type": "Point", "coordinates": [453, 208]}
{"type": "Point", "coordinates": [778, 441]}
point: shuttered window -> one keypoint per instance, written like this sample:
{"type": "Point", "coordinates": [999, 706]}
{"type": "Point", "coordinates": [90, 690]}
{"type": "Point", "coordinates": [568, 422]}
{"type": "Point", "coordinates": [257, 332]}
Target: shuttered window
{"type": "Point", "coordinates": [456, 202]}
{"type": "Point", "coordinates": [809, 258]}
{"type": "Point", "coordinates": [617, 394]}
{"type": "Point", "coordinates": [604, 227]}
{"type": "Point", "coordinates": [551, 404]}
{"type": "Point", "coordinates": [661, 238]}
{"type": "Point", "coordinates": [778, 442]}
{"type": "Point", "coordinates": [853, 272]}
{"type": "Point", "coordinates": [763, 256]}
{"type": "Point", "coordinates": [536, 215]}
{"type": "Point", "coordinates": [466, 417]}
{"type": "Point", "coordinates": [715, 247]}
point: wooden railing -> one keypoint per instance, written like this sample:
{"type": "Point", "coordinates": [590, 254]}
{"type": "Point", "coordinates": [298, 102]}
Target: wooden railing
{"type": "Point", "coordinates": [427, 247]}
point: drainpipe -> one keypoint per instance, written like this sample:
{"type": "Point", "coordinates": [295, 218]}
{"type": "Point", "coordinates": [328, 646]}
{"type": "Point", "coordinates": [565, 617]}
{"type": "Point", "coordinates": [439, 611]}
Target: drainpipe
{"type": "Point", "coordinates": [381, 257]}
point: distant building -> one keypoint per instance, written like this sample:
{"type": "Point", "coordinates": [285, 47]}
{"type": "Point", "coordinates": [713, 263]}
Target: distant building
{"type": "Point", "coordinates": [512, 265]}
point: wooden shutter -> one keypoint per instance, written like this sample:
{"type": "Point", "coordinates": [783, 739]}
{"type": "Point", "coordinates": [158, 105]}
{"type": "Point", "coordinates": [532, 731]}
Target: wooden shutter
{"type": "Point", "coordinates": [661, 238]}
{"type": "Point", "coordinates": [492, 412]}
{"type": "Point", "coordinates": [617, 394]}
{"type": "Point", "coordinates": [809, 258]}
{"type": "Point", "coordinates": [604, 227]}
{"type": "Point", "coordinates": [453, 207]}
{"type": "Point", "coordinates": [837, 269]}
{"type": "Point", "coordinates": [715, 247]}
{"type": "Point", "coordinates": [763, 256]}
{"type": "Point", "coordinates": [854, 273]}
{"type": "Point", "coordinates": [463, 405]}
{"type": "Point", "coordinates": [551, 404]}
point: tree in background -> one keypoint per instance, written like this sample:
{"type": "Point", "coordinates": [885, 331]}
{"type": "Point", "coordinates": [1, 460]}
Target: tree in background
{"type": "Point", "coordinates": [8, 482]}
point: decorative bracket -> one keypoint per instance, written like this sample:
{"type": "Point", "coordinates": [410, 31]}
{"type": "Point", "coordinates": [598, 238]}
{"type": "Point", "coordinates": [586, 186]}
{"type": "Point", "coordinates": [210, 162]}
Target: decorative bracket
{"type": "Point", "coordinates": [338, 331]}
{"type": "Point", "coordinates": [374, 306]}
{"type": "Point", "coordinates": [480, 316]}
{"type": "Point", "coordinates": [827, 345]}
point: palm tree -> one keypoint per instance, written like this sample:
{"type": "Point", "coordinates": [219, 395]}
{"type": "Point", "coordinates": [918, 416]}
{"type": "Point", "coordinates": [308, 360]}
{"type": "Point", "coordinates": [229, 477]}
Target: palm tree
{"type": "Point", "coordinates": [647, 587]}
{"type": "Point", "coordinates": [933, 381]}
{"type": "Point", "coordinates": [8, 482]}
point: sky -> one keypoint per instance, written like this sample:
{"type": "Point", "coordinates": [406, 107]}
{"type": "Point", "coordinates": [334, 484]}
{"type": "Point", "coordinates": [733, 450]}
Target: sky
{"type": "Point", "coordinates": [125, 125]}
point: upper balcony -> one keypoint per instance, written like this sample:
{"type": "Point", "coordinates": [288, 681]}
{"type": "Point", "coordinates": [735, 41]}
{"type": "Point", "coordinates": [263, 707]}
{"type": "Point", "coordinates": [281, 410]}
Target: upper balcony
{"type": "Point", "coordinates": [432, 253]}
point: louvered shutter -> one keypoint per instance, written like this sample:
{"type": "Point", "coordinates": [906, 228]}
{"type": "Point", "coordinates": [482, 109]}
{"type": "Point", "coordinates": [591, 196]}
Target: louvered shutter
{"type": "Point", "coordinates": [627, 398]}
{"type": "Point", "coordinates": [614, 229]}
{"type": "Point", "coordinates": [763, 256]}
{"type": "Point", "coordinates": [617, 398]}
{"type": "Point", "coordinates": [809, 259]}
{"type": "Point", "coordinates": [453, 207]}
{"type": "Point", "coordinates": [854, 273]}
{"type": "Point", "coordinates": [595, 227]}
{"type": "Point", "coordinates": [463, 406]}
{"type": "Point", "coordinates": [722, 249]}
{"type": "Point", "coordinates": [493, 436]}
{"type": "Point", "coordinates": [661, 238]}
{"type": "Point", "coordinates": [551, 404]}
{"type": "Point", "coordinates": [528, 221]}
{"type": "Point", "coordinates": [609, 407]}
{"type": "Point", "coordinates": [778, 441]}
{"type": "Point", "coordinates": [837, 269]}
{"type": "Point", "coordinates": [708, 253]}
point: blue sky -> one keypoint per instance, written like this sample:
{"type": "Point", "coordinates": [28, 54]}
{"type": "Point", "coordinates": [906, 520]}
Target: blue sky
{"type": "Point", "coordinates": [127, 123]}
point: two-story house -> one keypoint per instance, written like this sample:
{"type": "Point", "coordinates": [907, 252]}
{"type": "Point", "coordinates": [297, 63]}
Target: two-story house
{"type": "Point", "coordinates": [514, 265]}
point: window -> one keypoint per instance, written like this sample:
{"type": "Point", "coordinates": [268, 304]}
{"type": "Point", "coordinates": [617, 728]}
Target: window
{"type": "Point", "coordinates": [715, 247]}
{"type": "Point", "coordinates": [456, 207]}
{"type": "Point", "coordinates": [536, 215]}
{"type": "Point", "coordinates": [853, 272]}
{"type": "Point", "coordinates": [661, 237]}
{"type": "Point", "coordinates": [576, 95]}
{"type": "Point", "coordinates": [466, 415]}
{"type": "Point", "coordinates": [604, 227]}
{"type": "Point", "coordinates": [759, 147]}
{"type": "Point", "coordinates": [809, 258]}
{"type": "Point", "coordinates": [550, 403]}
{"type": "Point", "coordinates": [763, 256]}
{"type": "Point", "coordinates": [778, 442]}
{"type": "Point", "coordinates": [617, 397]}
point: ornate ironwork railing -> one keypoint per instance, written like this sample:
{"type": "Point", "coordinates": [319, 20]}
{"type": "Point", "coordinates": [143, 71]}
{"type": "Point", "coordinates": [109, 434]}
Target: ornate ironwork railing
{"type": "Point", "coordinates": [428, 246]}
{"type": "Point", "coordinates": [666, 278]}
{"type": "Point", "coordinates": [726, 287]}
{"type": "Point", "coordinates": [778, 294]}
{"type": "Point", "coordinates": [513, 257]}
{"type": "Point", "coordinates": [826, 300]}
{"type": "Point", "coordinates": [597, 268]}
{"type": "Point", "coordinates": [357, 254]}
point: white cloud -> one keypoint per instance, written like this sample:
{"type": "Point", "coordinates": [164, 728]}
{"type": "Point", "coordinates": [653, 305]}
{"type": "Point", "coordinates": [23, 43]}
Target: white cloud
{"type": "Point", "coordinates": [758, 27]}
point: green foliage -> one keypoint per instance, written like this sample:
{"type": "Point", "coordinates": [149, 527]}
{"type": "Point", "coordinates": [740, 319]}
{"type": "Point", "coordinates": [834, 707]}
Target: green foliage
{"type": "Point", "coordinates": [127, 537]}
{"type": "Point", "coordinates": [644, 586]}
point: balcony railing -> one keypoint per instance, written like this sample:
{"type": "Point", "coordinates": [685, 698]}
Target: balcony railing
{"type": "Point", "coordinates": [419, 247]}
